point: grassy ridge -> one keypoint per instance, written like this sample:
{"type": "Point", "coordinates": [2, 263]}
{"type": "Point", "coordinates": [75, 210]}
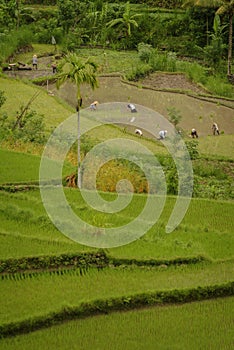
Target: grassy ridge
{"type": "Point", "coordinates": [188, 326]}
{"type": "Point", "coordinates": [32, 296]}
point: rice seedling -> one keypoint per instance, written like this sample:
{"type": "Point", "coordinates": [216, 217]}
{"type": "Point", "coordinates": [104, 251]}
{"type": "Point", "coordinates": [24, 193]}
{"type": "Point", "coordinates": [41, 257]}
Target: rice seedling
{"type": "Point", "coordinates": [206, 324]}
{"type": "Point", "coordinates": [32, 295]}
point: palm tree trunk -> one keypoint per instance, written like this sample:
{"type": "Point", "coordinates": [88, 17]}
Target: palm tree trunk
{"type": "Point", "coordinates": [17, 14]}
{"type": "Point", "coordinates": [78, 150]}
{"type": "Point", "coordinates": [230, 46]}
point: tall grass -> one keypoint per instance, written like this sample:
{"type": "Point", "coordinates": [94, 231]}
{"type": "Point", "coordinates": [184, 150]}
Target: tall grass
{"type": "Point", "coordinates": [163, 61]}
{"type": "Point", "coordinates": [193, 71]}
{"type": "Point", "coordinates": [219, 86]}
{"type": "Point", "coordinates": [12, 41]}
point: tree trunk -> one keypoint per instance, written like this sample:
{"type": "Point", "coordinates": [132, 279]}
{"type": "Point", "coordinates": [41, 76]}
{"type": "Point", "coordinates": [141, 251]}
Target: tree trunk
{"type": "Point", "coordinates": [78, 150]}
{"type": "Point", "coordinates": [229, 72]}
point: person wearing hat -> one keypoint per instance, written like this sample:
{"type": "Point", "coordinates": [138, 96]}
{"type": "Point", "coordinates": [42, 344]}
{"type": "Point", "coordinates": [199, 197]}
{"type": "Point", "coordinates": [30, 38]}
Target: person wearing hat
{"type": "Point", "coordinates": [132, 108]}
{"type": "Point", "coordinates": [138, 132]}
{"type": "Point", "coordinates": [194, 133]}
{"type": "Point", "coordinates": [162, 134]}
{"type": "Point", "coordinates": [215, 129]}
{"type": "Point", "coordinates": [93, 105]}
{"type": "Point", "coordinates": [34, 61]}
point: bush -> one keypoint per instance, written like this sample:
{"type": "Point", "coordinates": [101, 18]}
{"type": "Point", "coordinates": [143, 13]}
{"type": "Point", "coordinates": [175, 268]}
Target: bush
{"type": "Point", "coordinates": [192, 147]}
{"type": "Point", "coordinates": [28, 125]}
{"type": "Point", "coordinates": [144, 52]}
{"type": "Point", "coordinates": [163, 61]}
{"type": "Point", "coordinates": [41, 2]}
{"type": "Point", "coordinates": [80, 260]}
{"type": "Point", "coordinates": [13, 41]}
{"type": "Point", "coordinates": [219, 86]}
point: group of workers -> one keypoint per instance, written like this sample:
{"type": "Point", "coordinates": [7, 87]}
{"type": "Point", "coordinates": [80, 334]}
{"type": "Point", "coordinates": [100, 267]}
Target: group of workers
{"type": "Point", "coordinates": [215, 130]}
{"type": "Point", "coordinates": [194, 134]}
{"type": "Point", "coordinates": [35, 64]}
{"type": "Point", "coordinates": [132, 107]}
{"type": "Point", "coordinates": [162, 133]}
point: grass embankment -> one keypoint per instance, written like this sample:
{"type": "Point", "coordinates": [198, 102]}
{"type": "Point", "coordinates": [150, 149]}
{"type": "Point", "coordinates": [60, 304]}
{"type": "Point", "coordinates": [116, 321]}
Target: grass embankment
{"type": "Point", "coordinates": [32, 297]}
{"type": "Point", "coordinates": [157, 328]}
{"type": "Point", "coordinates": [205, 325]}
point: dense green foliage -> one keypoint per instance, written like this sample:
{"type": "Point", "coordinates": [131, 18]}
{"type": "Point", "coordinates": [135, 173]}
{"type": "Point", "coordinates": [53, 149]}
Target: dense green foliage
{"type": "Point", "coordinates": [99, 23]}
{"type": "Point", "coordinates": [191, 32]}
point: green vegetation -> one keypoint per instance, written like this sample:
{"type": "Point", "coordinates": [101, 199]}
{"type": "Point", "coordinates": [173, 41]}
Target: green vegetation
{"type": "Point", "coordinates": [17, 93]}
{"type": "Point", "coordinates": [184, 326]}
{"type": "Point", "coordinates": [115, 295]}
{"type": "Point", "coordinates": [25, 223]}
{"type": "Point", "coordinates": [221, 147]}
{"type": "Point", "coordinates": [21, 168]}
{"type": "Point", "coordinates": [124, 282]}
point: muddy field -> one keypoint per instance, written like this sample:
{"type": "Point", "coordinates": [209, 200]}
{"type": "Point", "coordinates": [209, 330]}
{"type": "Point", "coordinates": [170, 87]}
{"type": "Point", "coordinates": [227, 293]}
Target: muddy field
{"type": "Point", "coordinates": [171, 81]}
{"type": "Point", "coordinates": [158, 92]}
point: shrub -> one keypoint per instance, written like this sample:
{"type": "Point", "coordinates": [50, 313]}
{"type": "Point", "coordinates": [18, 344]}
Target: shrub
{"type": "Point", "coordinates": [174, 115]}
{"type": "Point", "coordinates": [219, 86]}
{"type": "Point", "coordinates": [144, 52]}
{"type": "Point", "coordinates": [2, 98]}
{"type": "Point", "coordinates": [28, 125]}
{"type": "Point", "coordinates": [192, 147]}
{"type": "Point", "coordinates": [13, 41]}
{"type": "Point", "coordinates": [163, 61]}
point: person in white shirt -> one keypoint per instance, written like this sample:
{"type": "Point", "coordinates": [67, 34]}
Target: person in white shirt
{"type": "Point", "coordinates": [132, 107]}
{"type": "Point", "coordinates": [215, 129]}
{"type": "Point", "coordinates": [34, 61]}
{"type": "Point", "coordinates": [138, 132]}
{"type": "Point", "coordinates": [194, 133]}
{"type": "Point", "coordinates": [93, 105]}
{"type": "Point", "coordinates": [162, 134]}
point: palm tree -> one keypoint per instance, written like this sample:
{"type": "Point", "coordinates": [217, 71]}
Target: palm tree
{"type": "Point", "coordinates": [127, 21]}
{"type": "Point", "coordinates": [76, 71]}
{"type": "Point", "coordinates": [224, 7]}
